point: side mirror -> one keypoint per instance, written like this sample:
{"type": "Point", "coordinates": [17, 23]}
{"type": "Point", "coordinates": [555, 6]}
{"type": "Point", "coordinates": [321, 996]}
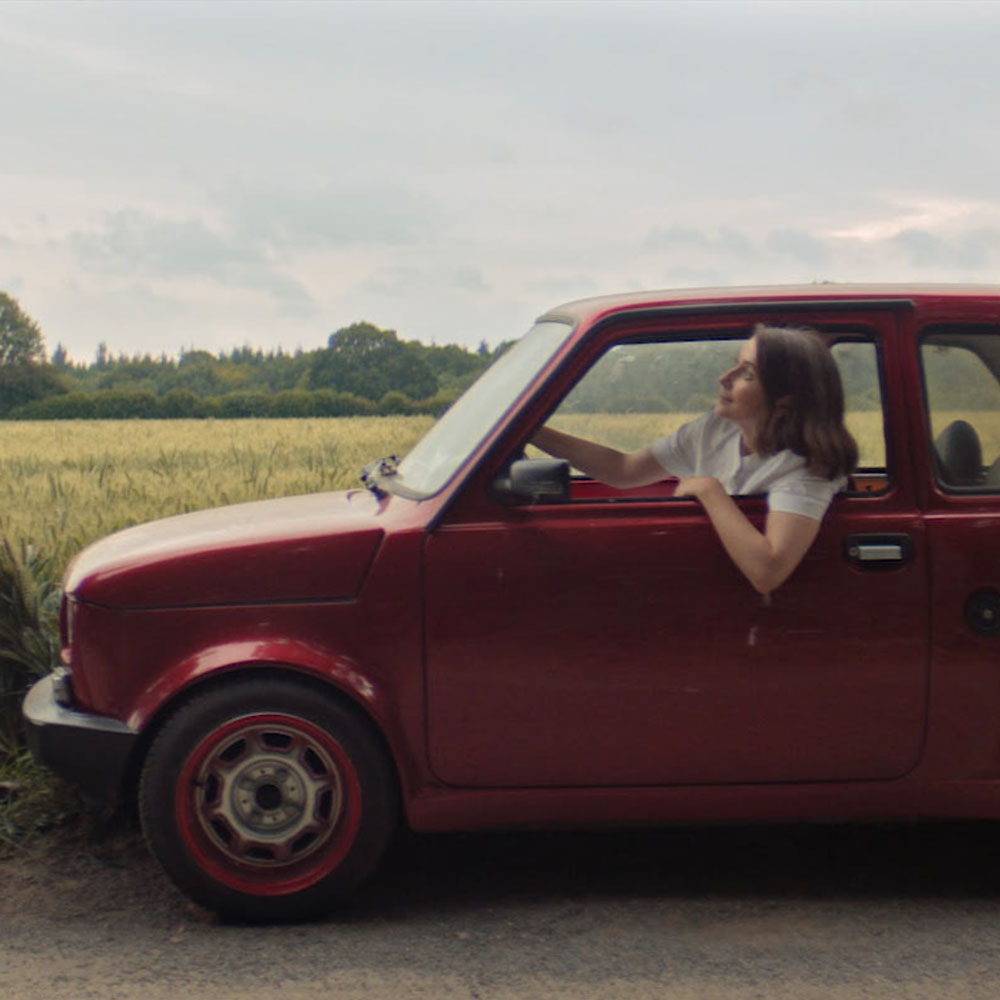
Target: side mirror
{"type": "Point", "coordinates": [533, 480]}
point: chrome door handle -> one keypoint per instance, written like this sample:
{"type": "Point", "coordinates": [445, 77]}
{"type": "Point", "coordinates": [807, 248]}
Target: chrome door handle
{"type": "Point", "coordinates": [876, 553]}
{"type": "Point", "coordinates": [879, 551]}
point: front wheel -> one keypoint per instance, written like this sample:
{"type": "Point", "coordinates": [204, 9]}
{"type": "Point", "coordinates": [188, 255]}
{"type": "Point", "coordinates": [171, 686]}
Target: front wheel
{"type": "Point", "coordinates": [262, 799]}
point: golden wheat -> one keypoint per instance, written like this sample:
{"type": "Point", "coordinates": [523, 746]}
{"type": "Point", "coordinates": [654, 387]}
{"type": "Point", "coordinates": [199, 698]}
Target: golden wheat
{"type": "Point", "coordinates": [65, 483]}
{"type": "Point", "coordinates": [635, 430]}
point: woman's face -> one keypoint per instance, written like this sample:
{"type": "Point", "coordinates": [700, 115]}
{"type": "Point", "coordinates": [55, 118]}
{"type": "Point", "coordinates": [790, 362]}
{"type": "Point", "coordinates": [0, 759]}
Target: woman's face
{"type": "Point", "coordinates": [741, 392]}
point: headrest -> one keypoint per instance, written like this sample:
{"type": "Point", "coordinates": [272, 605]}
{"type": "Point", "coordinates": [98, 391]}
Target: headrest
{"type": "Point", "coordinates": [960, 454]}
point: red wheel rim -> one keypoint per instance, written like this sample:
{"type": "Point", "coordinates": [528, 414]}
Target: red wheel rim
{"type": "Point", "coordinates": [268, 804]}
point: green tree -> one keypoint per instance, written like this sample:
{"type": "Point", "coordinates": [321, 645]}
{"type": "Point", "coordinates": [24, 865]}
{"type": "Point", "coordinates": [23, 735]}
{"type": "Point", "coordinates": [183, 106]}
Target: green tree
{"type": "Point", "coordinates": [21, 340]}
{"type": "Point", "coordinates": [369, 362]}
{"type": "Point", "coordinates": [22, 383]}
{"type": "Point", "coordinates": [24, 376]}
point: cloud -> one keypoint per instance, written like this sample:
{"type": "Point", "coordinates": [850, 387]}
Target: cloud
{"type": "Point", "coordinates": [800, 245]}
{"type": "Point", "coordinates": [553, 288]}
{"type": "Point", "coordinates": [134, 244]}
{"type": "Point", "coordinates": [919, 213]}
{"type": "Point", "coordinates": [469, 279]}
{"type": "Point", "coordinates": [394, 281]}
{"type": "Point", "coordinates": [975, 250]}
{"type": "Point", "coordinates": [725, 239]}
{"type": "Point", "coordinates": [707, 252]}
{"type": "Point", "coordinates": [329, 216]}
{"type": "Point", "coordinates": [12, 284]}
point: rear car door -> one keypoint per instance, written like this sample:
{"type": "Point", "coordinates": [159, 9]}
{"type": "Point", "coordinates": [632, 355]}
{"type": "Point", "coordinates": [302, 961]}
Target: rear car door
{"type": "Point", "coordinates": [958, 420]}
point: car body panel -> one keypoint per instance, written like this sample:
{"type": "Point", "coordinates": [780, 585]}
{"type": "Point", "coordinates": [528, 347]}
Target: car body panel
{"type": "Point", "coordinates": [292, 549]}
{"type": "Point", "coordinates": [630, 651]}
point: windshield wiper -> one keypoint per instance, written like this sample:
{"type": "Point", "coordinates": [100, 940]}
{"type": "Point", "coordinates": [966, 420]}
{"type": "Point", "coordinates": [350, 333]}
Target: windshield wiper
{"type": "Point", "coordinates": [374, 471]}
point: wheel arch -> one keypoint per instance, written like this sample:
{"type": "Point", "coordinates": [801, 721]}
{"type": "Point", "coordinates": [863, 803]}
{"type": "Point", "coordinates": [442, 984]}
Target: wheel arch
{"type": "Point", "coordinates": [323, 685]}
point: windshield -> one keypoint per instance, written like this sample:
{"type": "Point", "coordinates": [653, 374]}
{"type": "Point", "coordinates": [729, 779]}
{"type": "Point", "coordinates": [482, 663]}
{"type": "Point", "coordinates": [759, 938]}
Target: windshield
{"type": "Point", "coordinates": [473, 415]}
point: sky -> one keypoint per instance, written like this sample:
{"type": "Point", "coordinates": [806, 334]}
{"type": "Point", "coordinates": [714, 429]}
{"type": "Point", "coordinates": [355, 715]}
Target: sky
{"type": "Point", "coordinates": [218, 174]}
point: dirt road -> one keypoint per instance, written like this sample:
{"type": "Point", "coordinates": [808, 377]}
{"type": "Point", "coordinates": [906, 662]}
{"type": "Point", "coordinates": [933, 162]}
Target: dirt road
{"type": "Point", "coordinates": [776, 912]}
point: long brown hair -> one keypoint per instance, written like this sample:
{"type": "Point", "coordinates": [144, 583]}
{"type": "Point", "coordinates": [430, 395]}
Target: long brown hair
{"type": "Point", "coordinates": [805, 400]}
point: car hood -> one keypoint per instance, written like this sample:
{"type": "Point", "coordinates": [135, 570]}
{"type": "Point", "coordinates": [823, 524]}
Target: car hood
{"type": "Point", "coordinates": [316, 547]}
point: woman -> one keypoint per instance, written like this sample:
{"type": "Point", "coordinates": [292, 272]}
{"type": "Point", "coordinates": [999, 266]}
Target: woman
{"type": "Point", "coordinates": [776, 428]}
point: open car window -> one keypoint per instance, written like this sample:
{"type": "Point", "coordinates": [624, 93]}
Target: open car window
{"type": "Point", "coordinates": [637, 392]}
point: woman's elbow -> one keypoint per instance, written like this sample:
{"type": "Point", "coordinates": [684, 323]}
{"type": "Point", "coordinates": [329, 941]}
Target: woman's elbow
{"type": "Point", "coordinates": [763, 585]}
{"type": "Point", "coordinates": [767, 578]}
{"type": "Point", "coordinates": [621, 480]}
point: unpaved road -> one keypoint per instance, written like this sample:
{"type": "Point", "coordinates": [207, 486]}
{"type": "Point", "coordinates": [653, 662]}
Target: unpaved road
{"type": "Point", "coordinates": [773, 912]}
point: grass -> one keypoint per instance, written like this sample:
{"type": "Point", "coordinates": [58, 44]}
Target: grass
{"type": "Point", "coordinates": [33, 801]}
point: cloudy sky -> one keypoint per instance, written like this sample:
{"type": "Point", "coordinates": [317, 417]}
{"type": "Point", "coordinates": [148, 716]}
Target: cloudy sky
{"type": "Point", "coordinates": [177, 175]}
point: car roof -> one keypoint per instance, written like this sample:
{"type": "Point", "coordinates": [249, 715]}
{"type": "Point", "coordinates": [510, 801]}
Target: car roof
{"type": "Point", "coordinates": [590, 310]}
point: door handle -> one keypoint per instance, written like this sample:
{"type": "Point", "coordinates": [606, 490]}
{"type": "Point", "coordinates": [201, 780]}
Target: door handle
{"type": "Point", "coordinates": [878, 551]}
{"type": "Point", "coordinates": [872, 552]}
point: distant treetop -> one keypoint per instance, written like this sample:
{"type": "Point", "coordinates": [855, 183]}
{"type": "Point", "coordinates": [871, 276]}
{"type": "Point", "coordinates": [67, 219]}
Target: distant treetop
{"type": "Point", "coordinates": [21, 340]}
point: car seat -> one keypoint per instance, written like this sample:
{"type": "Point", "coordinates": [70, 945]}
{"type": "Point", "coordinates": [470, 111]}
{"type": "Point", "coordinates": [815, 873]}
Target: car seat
{"type": "Point", "coordinates": [960, 455]}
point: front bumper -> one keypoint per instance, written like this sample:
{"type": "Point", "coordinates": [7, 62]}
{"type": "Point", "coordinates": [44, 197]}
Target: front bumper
{"type": "Point", "coordinates": [91, 751]}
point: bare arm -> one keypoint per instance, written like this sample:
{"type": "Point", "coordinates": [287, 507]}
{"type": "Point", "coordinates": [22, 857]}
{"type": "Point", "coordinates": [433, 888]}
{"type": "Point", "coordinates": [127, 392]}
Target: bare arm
{"type": "Point", "coordinates": [616, 468]}
{"type": "Point", "coordinates": [766, 559]}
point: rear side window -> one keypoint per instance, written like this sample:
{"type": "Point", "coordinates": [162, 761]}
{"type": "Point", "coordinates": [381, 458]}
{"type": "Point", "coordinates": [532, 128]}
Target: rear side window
{"type": "Point", "coordinates": [961, 368]}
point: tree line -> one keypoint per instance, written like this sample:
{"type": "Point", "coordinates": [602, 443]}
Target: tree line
{"type": "Point", "coordinates": [365, 370]}
{"type": "Point", "coordinates": [362, 370]}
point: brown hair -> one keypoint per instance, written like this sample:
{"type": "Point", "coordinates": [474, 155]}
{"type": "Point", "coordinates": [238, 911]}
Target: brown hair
{"type": "Point", "coordinates": [805, 400]}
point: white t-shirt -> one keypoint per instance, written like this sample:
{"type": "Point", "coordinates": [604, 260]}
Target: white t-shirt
{"type": "Point", "coordinates": [710, 446]}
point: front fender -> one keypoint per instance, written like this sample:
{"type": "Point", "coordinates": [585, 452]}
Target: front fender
{"type": "Point", "coordinates": [329, 667]}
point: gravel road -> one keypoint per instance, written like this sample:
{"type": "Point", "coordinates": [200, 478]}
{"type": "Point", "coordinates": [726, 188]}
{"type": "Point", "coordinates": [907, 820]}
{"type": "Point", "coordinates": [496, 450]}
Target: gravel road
{"type": "Point", "coordinates": [837, 912]}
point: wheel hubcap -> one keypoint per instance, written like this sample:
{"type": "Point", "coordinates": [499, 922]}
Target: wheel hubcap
{"type": "Point", "coordinates": [267, 793]}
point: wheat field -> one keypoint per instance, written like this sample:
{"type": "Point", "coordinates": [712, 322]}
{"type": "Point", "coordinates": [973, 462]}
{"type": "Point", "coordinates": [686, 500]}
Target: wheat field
{"type": "Point", "coordinates": [635, 430]}
{"type": "Point", "coordinates": [64, 484]}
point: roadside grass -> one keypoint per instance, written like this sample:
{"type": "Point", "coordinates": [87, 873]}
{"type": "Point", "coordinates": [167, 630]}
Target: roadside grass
{"type": "Point", "coordinates": [29, 628]}
{"type": "Point", "coordinates": [34, 803]}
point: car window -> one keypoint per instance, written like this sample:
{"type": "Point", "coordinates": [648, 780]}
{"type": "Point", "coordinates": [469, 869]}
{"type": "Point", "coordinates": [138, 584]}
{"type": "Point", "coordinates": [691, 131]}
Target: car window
{"type": "Point", "coordinates": [962, 384]}
{"type": "Point", "coordinates": [638, 392]}
{"type": "Point", "coordinates": [858, 361]}
{"type": "Point", "coordinates": [441, 452]}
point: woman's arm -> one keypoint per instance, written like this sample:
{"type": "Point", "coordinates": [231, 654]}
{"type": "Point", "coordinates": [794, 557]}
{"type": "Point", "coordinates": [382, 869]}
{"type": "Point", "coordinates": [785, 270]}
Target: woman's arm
{"type": "Point", "coordinates": [616, 468]}
{"type": "Point", "coordinates": [767, 559]}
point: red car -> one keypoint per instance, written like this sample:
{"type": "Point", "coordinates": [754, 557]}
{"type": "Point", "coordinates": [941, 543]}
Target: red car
{"type": "Point", "coordinates": [475, 638]}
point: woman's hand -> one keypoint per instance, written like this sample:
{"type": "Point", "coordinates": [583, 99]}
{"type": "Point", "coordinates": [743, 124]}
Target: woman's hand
{"type": "Point", "coordinates": [698, 487]}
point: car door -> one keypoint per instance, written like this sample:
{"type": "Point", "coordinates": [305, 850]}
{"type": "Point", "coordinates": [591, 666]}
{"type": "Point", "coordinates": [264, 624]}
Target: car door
{"type": "Point", "coordinates": [610, 641]}
{"type": "Point", "coordinates": [958, 424]}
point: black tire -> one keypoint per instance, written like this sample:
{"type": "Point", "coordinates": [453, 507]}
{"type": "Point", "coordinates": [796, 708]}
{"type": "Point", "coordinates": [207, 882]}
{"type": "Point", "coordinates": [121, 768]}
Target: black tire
{"type": "Point", "coordinates": [265, 800]}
